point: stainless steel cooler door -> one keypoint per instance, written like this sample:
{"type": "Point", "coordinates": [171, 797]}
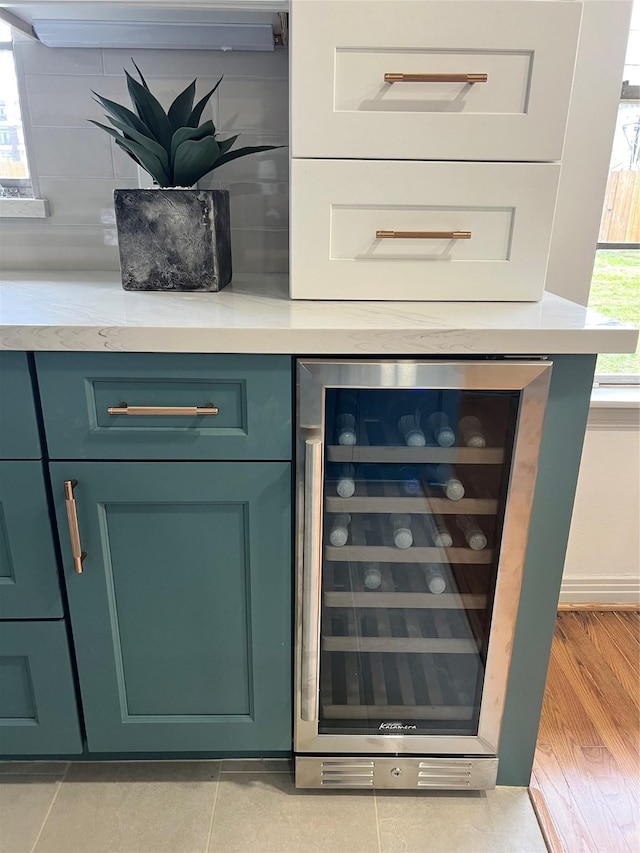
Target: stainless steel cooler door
{"type": "Point", "coordinates": [415, 482]}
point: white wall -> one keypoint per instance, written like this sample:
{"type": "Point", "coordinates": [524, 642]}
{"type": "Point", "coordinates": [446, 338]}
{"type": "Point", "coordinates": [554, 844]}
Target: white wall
{"type": "Point", "coordinates": [603, 557]}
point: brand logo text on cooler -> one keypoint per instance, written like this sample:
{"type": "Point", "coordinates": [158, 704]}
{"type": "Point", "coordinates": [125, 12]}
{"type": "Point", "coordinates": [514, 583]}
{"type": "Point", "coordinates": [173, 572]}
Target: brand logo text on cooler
{"type": "Point", "coordinates": [396, 727]}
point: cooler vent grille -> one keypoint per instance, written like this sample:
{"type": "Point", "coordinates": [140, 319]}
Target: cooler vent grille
{"type": "Point", "coordinates": [347, 774]}
{"type": "Point", "coordinates": [439, 774]}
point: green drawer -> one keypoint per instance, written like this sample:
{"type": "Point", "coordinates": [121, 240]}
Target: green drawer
{"type": "Point", "coordinates": [29, 587]}
{"type": "Point", "coordinates": [38, 710]}
{"type": "Point", "coordinates": [19, 437]}
{"type": "Point", "coordinates": [252, 395]}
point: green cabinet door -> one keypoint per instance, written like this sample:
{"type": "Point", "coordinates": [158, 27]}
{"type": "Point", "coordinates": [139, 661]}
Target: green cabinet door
{"type": "Point", "coordinates": [181, 617]}
{"type": "Point", "coordinates": [38, 712]}
{"type": "Point", "coordinates": [29, 586]}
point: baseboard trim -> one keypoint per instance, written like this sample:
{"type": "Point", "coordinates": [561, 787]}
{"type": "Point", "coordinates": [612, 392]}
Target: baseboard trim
{"type": "Point", "coordinates": [599, 607]}
{"type": "Point", "coordinates": [600, 590]}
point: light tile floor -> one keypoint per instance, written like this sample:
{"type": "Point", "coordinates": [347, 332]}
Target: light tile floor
{"type": "Point", "coordinates": [243, 807]}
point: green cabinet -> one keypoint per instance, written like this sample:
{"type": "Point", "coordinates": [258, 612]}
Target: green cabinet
{"type": "Point", "coordinates": [181, 617]}
{"type": "Point", "coordinates": [19, 437]}
{"type": "Point", "coordinates": [38, 709]}
{"type": "Point", "coordinates": [29, 587]}
{"type": "Point", "coordinates": [38, 712]}
{"type": "Point", "coordinates": [143, 406]}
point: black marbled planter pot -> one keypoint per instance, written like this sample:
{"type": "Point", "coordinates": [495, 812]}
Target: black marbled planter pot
{"type": "Point", "coordinates": [173, 239]}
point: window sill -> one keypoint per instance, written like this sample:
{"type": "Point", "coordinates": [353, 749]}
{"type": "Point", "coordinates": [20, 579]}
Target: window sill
{"type": "Point", "coordinates": [615, 408]}
{"type": "Point", "coordinates": [616, 397]}
{"type": "Point", "coordinates": [24, 208]}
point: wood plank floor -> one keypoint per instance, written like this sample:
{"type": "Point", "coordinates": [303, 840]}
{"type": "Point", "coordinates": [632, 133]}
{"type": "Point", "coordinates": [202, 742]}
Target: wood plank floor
{"type": "Point", "coordinates": [586, 775]}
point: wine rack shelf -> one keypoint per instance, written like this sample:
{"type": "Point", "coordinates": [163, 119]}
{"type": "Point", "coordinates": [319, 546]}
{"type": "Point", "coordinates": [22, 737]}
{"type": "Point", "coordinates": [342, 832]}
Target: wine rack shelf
{"type": "Point", "coordinates": [403, 455]}
{"type": "Point", "coordinates": [389, 554]}
{"type": "Point", "coordinates": [386, 497]}
{"type": "Point", "coordinates": [419, 600]}
{"type": "Point", "coordinates": [420, 504]}
{"type": "Point", "coordinates": [412, 645]}
{"type": "Point", "coordinates": [409, 631]}
{"type": "Point", "coordinates": [395, 686]}
{"type": "Point", "coordinates": [368, 543]}
{"type": "Point", "coordinates": [393, 591]}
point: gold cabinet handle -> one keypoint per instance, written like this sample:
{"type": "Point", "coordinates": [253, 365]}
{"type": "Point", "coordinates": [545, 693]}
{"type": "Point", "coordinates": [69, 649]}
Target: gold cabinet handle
{"type": "Point", "coordinates": [178, 411]}
{"type": "Point", "coordinates": [74, 529]}
{"type": "Point", "coordinates": [423, 235]}
{"type": "Point", "coordinates": [399, 77]}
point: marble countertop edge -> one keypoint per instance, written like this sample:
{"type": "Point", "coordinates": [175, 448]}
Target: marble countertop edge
{"type": "Point", "coordinates": [90, 311]}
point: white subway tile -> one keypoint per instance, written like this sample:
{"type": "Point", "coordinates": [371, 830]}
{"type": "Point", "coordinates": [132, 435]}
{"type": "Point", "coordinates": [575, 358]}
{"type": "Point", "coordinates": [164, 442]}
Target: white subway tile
{"type": "Point", "coordinates": [82, 201]}
{"type": "Point", "coordinates": [58, 100]}
{"type": "Point", "coordinates": [265, 166]}
{"type": "Point", "coordinates": [38, 59]}
{"type": "Point", "coordinates": [260, 250]}
{"type": "Point", "coordinates": [256, 205]}
{"type": "Point", "coordinates": [47, 246]}
{"type": "Point", "coordinates": [71, 152]}
{"type": "Point", "coordinates": [62, 100]}
{"type": "Point", "coordinates": [199, 63]}
{"type": "Point", "coordinates": [254, 104]}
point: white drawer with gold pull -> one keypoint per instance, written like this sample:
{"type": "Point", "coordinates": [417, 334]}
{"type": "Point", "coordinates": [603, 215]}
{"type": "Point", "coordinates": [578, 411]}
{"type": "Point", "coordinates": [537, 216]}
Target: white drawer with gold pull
{"type": "Point", "coordinates": [432, 80]}
{"type": "Point", "coordinates": [407, 230]}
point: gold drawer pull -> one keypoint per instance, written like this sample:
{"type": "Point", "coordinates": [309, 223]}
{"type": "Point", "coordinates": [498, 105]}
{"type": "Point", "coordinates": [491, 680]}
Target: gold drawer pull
{"type": "Point", "coordinates": [178, 411]}
{"type": "Point", "coordinates": [423, 235]}
{"type": "Point", "coordinates": [74, 529]}
{"type": "Point", "coordinates": [399, 77]}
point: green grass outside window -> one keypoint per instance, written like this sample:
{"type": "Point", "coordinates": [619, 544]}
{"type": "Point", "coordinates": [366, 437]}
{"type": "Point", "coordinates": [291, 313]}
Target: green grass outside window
{"type": "Point", "coordinates": [615, 292]}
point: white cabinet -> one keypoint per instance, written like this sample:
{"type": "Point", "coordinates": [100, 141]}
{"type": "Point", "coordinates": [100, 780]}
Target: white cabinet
{"type": "Point", "coordinates": [521, 55]}
{"type": "Point", "coordinates": [408, 230]}
{"type": "Point", "coordinates": [426, 137]}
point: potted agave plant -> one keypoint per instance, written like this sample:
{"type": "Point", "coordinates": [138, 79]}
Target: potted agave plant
{"type": "Point", "coordinates": [173, 236]}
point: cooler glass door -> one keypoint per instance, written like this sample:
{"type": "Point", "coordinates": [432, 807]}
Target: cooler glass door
{"type": "Point", "coordinates": [416, 480]}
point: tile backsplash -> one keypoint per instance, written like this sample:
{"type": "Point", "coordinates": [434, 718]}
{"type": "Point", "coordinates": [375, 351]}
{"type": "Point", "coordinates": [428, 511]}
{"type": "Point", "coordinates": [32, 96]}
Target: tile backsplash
{"type": "Point", "coordinates": [77, 167]}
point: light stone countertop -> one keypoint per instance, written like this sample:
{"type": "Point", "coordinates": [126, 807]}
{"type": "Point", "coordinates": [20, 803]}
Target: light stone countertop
{"type": "Point", "coordinates": [90, 311]}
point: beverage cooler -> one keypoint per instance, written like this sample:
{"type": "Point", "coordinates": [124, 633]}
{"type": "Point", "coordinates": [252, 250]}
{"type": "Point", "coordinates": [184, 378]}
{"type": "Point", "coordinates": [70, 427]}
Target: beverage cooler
{"type": "Point", "coordinates": [414, 488]}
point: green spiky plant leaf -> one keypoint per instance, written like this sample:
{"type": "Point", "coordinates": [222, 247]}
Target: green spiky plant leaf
{"type": "Point", "coordinates": [171, 145]}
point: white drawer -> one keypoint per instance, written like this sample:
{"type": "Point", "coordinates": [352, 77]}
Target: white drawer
{"type": "Point", "coordinates": [338, 206]}
{"type": "Point", "coordinates": [341, 105]}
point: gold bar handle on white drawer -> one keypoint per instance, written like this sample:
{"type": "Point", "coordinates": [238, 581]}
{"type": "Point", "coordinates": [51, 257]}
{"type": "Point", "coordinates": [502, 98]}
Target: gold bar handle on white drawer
{"type": "Point", "coordinates": [423, 235]}
{"type": "Point", "coordinates": [311, 579]}
{"type": "Point", "coordinates": [177, 411]}
{"type": "Point", "coordinates": [74, 528]}
{"type": "Point", "coordinates": [399, 77]}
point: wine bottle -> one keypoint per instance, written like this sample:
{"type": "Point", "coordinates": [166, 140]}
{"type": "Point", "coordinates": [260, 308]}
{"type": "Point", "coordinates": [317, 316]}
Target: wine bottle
{"type": "Point", "coordinates": [401, 527]}
{"type": "Point", "coordinates": [339, 533]}
{"type": "Point", "coordinates": [371, 575]}
{"type": "Point", "coordinates": [476, 540]}
{"type": "Point", "coordinates": [437, 532]}
{"type": "Point", "coordinates": [346, 429]}
{"type": "Point", "coordinates": [444, 477]}
{"type": "Point", "coordinates": [471, 432]}
{"type": "Point", "coordinates": [409, 480]}
{"type": "Point", "coordinates": [346, 485]}
{"type": "Point", "coordinates": [439, 425]}
{"type": "Point", "coordinates": [412, 434]}
{"type": "Point", "coordinates": [436, 582]}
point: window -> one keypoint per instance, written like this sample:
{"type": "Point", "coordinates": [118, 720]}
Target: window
{"type": "Point", "coordinates": [615, 289]}
{"type": "Point", "coordinates": [14, 168]}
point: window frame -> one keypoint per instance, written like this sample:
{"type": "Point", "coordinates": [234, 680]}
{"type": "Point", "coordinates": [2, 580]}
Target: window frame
{"type": "Point", "coordinates": [25, 183]}
{"type": "Point", "coordinates": [27, 203]}
{"type": "Point", "coordinates": [612, 380]}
